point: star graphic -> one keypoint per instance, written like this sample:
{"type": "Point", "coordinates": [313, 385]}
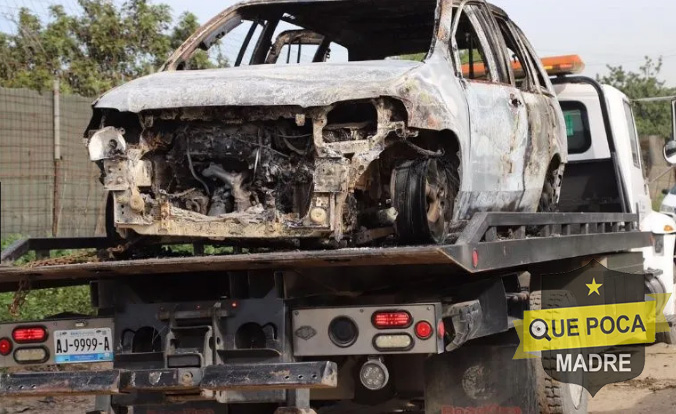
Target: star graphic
{"type": "Point", "coordinates": [594, 287]}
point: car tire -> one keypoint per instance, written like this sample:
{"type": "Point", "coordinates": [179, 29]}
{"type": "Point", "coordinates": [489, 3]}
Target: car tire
{"type": "Point", "coordinates": [549, 198]}
{"type": "Point", "coordinates": [423, 193]}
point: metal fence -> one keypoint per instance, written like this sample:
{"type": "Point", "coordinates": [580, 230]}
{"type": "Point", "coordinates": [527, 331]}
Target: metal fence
{"type": "Point", "coordinates": [49, 186]}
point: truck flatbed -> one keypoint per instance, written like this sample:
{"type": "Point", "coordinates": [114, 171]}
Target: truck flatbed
{"type": "Point", "coordinates": [489, 242]}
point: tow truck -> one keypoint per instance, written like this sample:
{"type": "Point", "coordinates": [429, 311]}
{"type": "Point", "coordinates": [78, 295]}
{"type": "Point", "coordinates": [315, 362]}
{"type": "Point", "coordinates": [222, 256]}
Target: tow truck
{"type": "Point", "coordinates": [424, 329]}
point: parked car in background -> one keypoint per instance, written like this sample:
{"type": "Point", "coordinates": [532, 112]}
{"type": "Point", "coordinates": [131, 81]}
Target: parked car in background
{"type": "Point", "coordinates": [669, 202]}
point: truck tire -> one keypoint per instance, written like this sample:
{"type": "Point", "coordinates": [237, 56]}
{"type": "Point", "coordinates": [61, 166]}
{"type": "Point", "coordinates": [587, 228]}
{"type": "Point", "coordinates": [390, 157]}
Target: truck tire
{"type": "Point", "coordinates": [666, 337]}
{"type": "Point", "coordinates": [423, 193]}
{"type": "Point", "coordinates": [555, 397]}
{"type": "Point", "coordinates": [654, 285]}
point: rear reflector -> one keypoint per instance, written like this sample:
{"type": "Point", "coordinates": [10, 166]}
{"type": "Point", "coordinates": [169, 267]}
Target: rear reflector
{"type": "Point", "coordinates": [423, 330]}
{"type": "Point", "coordinates": [5, 346]}
{"type": "Point", "coordinates": [392, 319]}
{"type": "Point", "coordinates": [394, 342]}
{"type": "Point", "coordinates": [29, 334]}
{"type": "Point", "coordinates": [34, 355]}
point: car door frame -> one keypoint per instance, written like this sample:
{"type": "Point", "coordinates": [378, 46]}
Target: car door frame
{"type": "Point", "coordinates": [549, 140]}
{"type": "Point", "coordinates": [497, 158]}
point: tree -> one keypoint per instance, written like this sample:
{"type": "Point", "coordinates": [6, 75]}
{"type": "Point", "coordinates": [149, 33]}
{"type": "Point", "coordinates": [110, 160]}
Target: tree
{"type": "Point", "coordinates": [90, 52]}
{"type": "Point", "coordinates": [651, 118]}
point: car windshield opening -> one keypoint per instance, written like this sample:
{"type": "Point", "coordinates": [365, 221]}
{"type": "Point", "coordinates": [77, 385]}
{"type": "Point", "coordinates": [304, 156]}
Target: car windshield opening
{"type": "Point", "coordinates": [321, 31]}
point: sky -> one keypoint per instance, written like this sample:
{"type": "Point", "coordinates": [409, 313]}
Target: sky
{"type": "Point", "coordinates": [603, 32]}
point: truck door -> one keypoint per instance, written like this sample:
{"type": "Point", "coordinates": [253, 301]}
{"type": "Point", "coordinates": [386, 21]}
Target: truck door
{"type": "Point", "coordinates": [637, 191]}
{"type": "Point", "coordinates": [497, 115]}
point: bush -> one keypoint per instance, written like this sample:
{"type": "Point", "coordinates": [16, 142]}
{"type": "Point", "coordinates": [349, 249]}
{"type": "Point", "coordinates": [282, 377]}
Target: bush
{"type": "Point", "coordinates": [45, 302]}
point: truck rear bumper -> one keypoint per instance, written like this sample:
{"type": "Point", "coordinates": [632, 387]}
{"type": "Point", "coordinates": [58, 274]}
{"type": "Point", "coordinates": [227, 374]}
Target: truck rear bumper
{"type": "Point", "coordinates": [321, 374]}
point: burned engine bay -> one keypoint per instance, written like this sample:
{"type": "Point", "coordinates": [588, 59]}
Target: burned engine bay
{"type": "Point", "coordinates": [254, 173]}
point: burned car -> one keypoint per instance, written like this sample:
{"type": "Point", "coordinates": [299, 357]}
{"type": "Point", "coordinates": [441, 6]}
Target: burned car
{"type": "Point", "coordinates": [335, 120]}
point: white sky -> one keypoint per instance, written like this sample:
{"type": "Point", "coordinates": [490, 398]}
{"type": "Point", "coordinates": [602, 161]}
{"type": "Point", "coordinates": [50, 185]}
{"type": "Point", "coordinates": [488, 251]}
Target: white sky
{"type": "Point", "coordinates": [615, 32]}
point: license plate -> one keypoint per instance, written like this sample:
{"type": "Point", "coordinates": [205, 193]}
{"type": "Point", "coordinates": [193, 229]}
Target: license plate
{"type": "Point", "coordinates": [83, 345]}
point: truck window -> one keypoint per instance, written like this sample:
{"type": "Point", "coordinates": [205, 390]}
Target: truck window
{"type": "Point", "coordinates": [633, 135]}
{"type": "Point", "coordinates": [577, 127]}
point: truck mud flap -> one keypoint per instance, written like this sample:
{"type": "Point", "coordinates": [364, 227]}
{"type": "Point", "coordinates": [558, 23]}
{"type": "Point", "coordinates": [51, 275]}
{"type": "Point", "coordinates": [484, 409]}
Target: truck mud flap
{"type": "Point", "coordinates": [321, 374]}
{"type": "Point", "coordinates": [482, 377]}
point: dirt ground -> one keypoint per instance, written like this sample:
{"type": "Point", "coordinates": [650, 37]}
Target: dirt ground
{"type": "Point", "coordinates": [652, 392]}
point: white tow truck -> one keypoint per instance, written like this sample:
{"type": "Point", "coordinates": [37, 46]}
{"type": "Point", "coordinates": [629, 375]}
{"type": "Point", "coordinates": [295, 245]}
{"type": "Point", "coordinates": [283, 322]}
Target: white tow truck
{"type": "Point", "coordinates": [605, 170]}
{"type": "Point", "coordinates": [416, 329]}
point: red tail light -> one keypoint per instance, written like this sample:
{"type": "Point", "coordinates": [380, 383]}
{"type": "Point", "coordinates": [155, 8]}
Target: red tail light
{"type": "Point", "coordinates": [30, 334]}
{"type": "Point", "coordinates": [423, 330]}
{"type": "Point", "coordinates": [5, 346]}
{"type": "Point", "coordinates": [392, 319]}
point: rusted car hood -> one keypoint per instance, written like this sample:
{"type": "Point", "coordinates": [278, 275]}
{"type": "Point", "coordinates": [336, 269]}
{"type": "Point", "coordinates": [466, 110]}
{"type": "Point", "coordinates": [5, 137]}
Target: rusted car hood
{"type": "Point", "coordinates": [308, 85]}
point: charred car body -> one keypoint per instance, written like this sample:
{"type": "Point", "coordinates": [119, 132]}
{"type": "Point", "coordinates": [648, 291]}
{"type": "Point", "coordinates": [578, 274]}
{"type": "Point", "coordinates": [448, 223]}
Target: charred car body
{"type": "Point", "coordinates": [381, 144]}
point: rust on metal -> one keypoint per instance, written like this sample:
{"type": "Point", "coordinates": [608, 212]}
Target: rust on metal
{"type": "Point", "coordinates": [46, 384]}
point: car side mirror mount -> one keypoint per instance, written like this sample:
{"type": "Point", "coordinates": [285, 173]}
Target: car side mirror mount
{"type": "Point", "coordinates": [670, 152]}
{"type": "Point", "coordinates": [673, 120]}
{"type": "Point", "coordinates": [670, 147]}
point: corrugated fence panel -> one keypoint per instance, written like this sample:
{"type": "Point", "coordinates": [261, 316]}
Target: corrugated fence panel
{"type": "Point", "coordinates": [30, 199]}
{"type": "Point", "coordinates": [79, 192]}
{"type": "Point", "coordinates": [26, 161]}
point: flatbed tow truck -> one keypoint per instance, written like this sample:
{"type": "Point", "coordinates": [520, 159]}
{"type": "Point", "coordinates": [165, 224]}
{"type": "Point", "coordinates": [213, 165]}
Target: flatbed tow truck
{"type": "Point", "coordinates": [357, 330]}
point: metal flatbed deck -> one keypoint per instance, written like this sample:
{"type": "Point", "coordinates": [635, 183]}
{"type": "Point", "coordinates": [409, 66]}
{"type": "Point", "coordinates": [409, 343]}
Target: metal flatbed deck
{"type": "Point", "coordinates": [489, 242]}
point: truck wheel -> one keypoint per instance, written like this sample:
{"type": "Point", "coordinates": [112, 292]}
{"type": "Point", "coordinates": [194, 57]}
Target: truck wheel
{"type": "Point", "coordinates": [666, 337]}
{"type": "Point", "coordinates": [555, 397]}
{"type": "Point", "coordinates": [654, 285]}
{"type": "Point", "coordinates": [423, 193]}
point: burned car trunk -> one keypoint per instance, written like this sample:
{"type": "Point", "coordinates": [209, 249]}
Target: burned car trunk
{"type": "Point", "coordinates": [400, 141]}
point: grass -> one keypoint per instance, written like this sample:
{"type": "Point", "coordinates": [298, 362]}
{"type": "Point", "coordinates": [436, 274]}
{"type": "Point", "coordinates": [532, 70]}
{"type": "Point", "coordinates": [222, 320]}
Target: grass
{"type": "Point", "coordinates": [657, 202]}
{"type": "Point", "coordinates": [45, 302]}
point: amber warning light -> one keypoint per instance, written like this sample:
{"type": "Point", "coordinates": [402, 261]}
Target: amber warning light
{"type": "Point", "coordinates": [555, 66]}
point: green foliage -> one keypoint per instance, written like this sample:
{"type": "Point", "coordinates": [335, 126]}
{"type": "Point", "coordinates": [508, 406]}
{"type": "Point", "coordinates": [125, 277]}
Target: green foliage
{"type": "Point", "coordinates": [45, 302]}
{"type": "Point", "coordinates": [651, 118]}
{"type": "Point", "coordinates": [48, 302]}
{"type": "Point", "coordinates": [92, 51]}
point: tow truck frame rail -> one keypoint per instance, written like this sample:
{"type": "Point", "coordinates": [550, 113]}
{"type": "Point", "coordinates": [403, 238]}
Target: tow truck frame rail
{"type": "Point", "coordinates": [489, 242]}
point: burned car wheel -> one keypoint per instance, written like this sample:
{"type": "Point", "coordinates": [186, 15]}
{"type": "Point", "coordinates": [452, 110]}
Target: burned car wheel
{"type": "Point", "coordinates": [549, 199]}
{"type": "Point", "coordinates": [423, 193]}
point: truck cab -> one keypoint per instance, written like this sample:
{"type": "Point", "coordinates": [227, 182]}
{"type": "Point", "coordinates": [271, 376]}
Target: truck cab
{"type": "Point", "coordinates": [605, 168]}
